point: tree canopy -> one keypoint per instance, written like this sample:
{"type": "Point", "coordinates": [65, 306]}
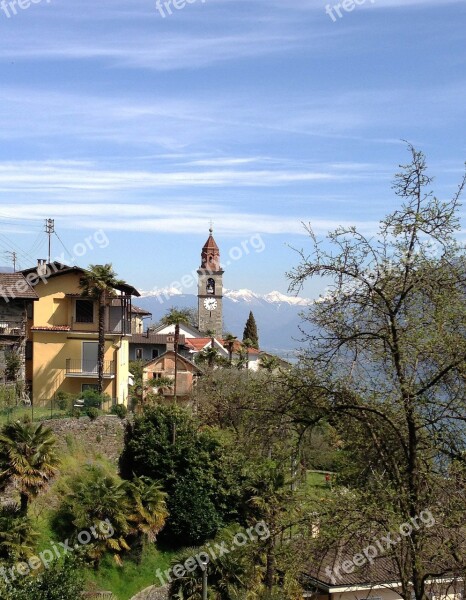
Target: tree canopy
{"type": "Point", "coordinates": [386, 365]}
{"type": "Point", "coordinates": [250, 331]}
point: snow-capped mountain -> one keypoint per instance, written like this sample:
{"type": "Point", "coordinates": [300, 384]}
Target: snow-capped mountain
{"type": "Point", "coordinates": [242, 295]}
{"type": "Point", "coordinates": [165, 292]}
{"type": "Point", "coordinates": [277, 315]}
{"type": "Point", "coordinates": [272, 297]}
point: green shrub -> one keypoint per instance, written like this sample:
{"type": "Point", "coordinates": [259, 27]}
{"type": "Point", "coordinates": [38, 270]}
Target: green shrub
{"type": "Point", "coordinates": [192, 465]}
{"type": "Point", "coordinates": [92, 413]}
{"type": "Point", "coordinates": [62, 581]}
{"type": "Point", "coordinates": [76, 413]}
{"type": "Point", "coordinates": [120, 410]}
{"type": "Point", "coordinates": [63, 400]}
{"type": "Point", "coordinates": [92, 398]}
{"type": "Point", "coordinates": [69, 441]}
{"type": "Point", "coordinates": [12, 365]}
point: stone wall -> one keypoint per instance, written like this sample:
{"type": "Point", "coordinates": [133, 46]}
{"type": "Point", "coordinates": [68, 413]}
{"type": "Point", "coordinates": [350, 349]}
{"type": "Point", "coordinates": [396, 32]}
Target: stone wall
{"type": "Point", "coordinates": [152, 593]}
{"type": "Point", "coordinates": [105, 435]}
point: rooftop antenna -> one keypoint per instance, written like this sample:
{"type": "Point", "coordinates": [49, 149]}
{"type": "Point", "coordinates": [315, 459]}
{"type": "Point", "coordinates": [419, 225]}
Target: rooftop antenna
{"type": "Point", "coordinates": [49, 229]}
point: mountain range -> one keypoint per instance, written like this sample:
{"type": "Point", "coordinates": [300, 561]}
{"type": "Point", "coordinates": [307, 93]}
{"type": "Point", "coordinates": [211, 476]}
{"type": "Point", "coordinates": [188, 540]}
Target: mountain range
{"type": "Point", "coordinates": [277, 315]}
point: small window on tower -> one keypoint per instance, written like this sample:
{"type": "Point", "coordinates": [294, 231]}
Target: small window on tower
{"type": "Point", "coordinates": [210, 286]}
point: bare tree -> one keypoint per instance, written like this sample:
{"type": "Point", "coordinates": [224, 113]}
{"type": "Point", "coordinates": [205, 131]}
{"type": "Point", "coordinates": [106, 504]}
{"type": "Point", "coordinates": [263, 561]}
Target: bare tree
{"type": "Point", "coordinates": [387, 347]}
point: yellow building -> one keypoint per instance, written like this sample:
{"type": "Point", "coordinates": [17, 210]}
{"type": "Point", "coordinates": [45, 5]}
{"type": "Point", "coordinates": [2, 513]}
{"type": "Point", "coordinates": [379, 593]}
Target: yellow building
{"type": "Point", "coordinates": [63, 336]}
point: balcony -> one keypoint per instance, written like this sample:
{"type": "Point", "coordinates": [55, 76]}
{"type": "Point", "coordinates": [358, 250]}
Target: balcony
{"type": "Point", "coordinates": [12, 328]}
{"type": "Point", "coordinates": [121, 327]}
{"type": "Point", "coordinates": [85, 315]}
{"type": "Point", "coordinates": [76, 367]}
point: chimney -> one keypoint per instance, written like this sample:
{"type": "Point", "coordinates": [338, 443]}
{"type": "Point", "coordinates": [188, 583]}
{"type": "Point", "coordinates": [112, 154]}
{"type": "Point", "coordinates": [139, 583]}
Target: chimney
{"type": "Point", "coordinates": [170, 342]}
{"type": "Point", "coordinates": [41, 267]}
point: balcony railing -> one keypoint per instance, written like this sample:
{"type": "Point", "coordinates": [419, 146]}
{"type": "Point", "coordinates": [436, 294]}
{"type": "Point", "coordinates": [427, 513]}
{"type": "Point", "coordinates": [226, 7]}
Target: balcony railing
{"type": "Point", "coordinates": [88, 368]}
{"type": "Point", "coordinates": [122, 327]}
{"type": "Point", "coordinates": [12, 328]}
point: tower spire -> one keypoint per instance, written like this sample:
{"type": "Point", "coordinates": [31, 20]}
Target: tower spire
{"type": "Point", "coordinates": [210, 287]}
{"type": "Point", "coordinates": [210, 256]}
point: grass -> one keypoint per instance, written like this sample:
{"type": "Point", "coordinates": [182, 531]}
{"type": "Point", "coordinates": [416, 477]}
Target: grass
{"type": "Point", "coordinates": [7, 415]}
{"type": "Point", "coordinates": [132, 577]}
{"type": "Point", "coordinates": [316, 480]}
{"type": "Point", "coordinates": [125, 581]}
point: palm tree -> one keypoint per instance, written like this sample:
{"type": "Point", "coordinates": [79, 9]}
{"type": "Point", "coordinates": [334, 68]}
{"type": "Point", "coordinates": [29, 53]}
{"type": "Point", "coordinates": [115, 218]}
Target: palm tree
{"type": "Point", "coordinates": [211, 334]}
{"type": "Point", "coordinates": [99, 283]}
{"type": "Point", "coordinates": [247, 344]}
{"type": "Point", "coordinates": [229, 343]}
{"type": "Point", "coordinates": [231, 577]}
{"type": "Point", "coordinates": [243, 359]}
{"type": "Point", "coordinates": [270, 499]}
{"type": "Point", "coordinates": [95, 497]}
{"type": "Point", "coordinates": [269, 363]}
{"type": "Point", "coordinates": [209, 355]}
{"type": "Point", "coordinates": [149, 509]}
{"type": "Point", "coordinates": [27, 458]}
{"type": "Point", "coordinates": [160, 384]}
{"type": "Point", "coordinates": [16, 535]}
{"type": "Point", "coordinates": [176, 317]}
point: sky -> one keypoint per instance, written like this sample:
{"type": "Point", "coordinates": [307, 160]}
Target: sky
{"type": "Point", "coordinates": [134, 128]}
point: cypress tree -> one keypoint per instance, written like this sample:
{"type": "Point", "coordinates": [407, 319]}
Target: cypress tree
{"type": "Point", "coordinates": [250, 331]}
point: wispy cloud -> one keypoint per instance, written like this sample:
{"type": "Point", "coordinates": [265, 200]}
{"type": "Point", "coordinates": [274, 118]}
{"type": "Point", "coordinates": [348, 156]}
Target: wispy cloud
{"type": "Point", "coordinates": [48, 177]}
{"type": "Point", "coordinates": [182, 218]}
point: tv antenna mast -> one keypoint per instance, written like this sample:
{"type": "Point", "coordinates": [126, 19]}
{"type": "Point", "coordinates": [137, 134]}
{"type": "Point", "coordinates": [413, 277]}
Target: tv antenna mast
{"type": "Point", "coordinates": [49, 229]}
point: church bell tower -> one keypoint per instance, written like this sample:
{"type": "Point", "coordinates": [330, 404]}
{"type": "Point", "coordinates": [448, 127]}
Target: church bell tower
{"type": "Point", "coordinates": [210, 289]}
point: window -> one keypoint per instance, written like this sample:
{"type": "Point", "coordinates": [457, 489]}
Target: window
{"type": "Point", "coordinates": [155, 352]}
{"type": "Point", "coordinates": [139, 353]}
{"type": "Point", "coordinates": [84, 311]}
{"type": "Point", "coordinates": [210, 286]}
{"type": "Point", "coordinates": [29, 310]}
{"type": "Point", "coordinates": [28, 355]}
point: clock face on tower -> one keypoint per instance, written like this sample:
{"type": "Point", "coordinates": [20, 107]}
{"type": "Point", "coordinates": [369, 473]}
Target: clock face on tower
{"type": "Point", "coordinates": [210, 304]}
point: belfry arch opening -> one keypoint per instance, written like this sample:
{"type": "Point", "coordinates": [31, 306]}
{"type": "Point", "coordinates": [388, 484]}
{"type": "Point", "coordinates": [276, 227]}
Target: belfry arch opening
{"type": "Point", "coordinates": [210, 288]}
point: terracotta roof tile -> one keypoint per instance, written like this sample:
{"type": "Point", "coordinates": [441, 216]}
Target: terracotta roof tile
{"type": "Point", "coordinates": [198, 343]}
{"type": "Point", "coordinates": [139, 311]}
{"type": "Point", "coordinates": [237, 345]}
{"type": "Point", "coordinates": [52, 328]}
{"type": "Point", "coordinates": [153, 338]}
{"type": "Point", "coordinates": [211, 244]}
{"type": "Point", "coordinates": [326, 568]}
{"type": "Point", "coordinates": [15, 285]}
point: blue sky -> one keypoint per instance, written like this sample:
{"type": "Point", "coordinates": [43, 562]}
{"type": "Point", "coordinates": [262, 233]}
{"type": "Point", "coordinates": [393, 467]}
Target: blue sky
{"type": "Point", "coordinates": [257, 114]}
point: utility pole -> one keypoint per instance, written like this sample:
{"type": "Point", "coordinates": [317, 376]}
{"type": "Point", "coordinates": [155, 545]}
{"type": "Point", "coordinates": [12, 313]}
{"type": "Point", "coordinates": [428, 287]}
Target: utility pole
{"type": "Point", "coordinates": [49, 229]}
{"type": "Point", "coordinates": [13, 257]}
{"type": "Point", "coordinates": [204, 564]}
{"type": "Point", "coordinates": [204, 582]}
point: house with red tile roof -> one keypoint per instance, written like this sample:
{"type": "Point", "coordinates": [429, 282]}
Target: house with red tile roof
{"type": "Point", "coordinates": [17, 297]}
{"type": "Point", "coordinates": [157, 372]}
